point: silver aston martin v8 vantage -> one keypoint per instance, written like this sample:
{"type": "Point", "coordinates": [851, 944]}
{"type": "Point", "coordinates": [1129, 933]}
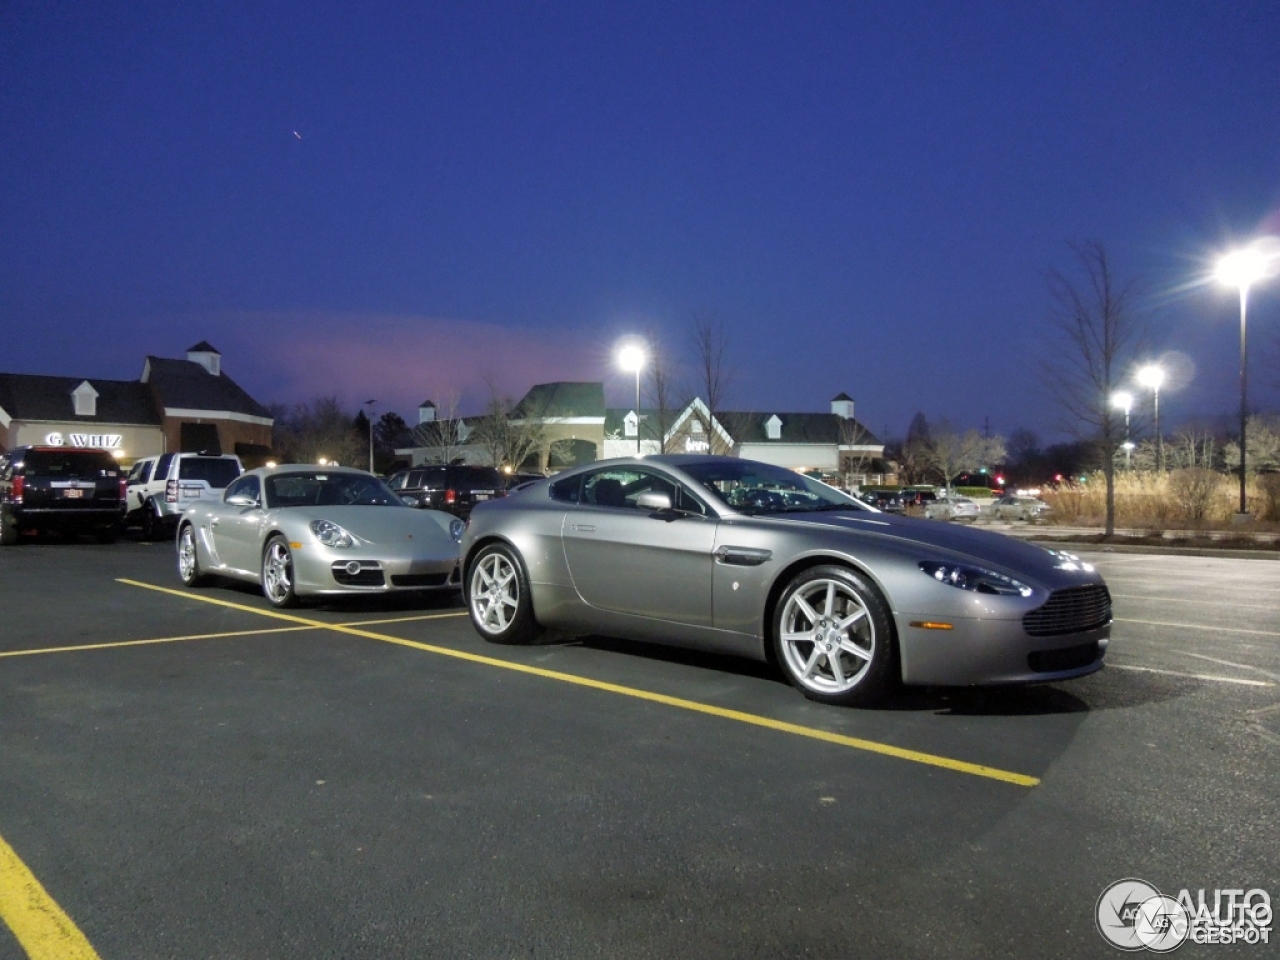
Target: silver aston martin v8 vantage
{"type": "Point", "coordinates": [302, 530]}
{"type": "Point", "coordinates": [742, 557]}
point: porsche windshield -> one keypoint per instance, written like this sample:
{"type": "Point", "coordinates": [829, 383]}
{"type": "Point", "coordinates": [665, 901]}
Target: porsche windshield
{"type": "Point", "coordinates": [321, 489]}
{"type": "Point", "coordinates": [750, 487]}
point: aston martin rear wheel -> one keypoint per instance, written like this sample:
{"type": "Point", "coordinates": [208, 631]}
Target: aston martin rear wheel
{"type": "Point", "coordinates": [834, 637]}
{"type": "Point", "coordinates": [498, 597]}
{"type": "Point", "coordinates": [277, 573]}
{"type": "Point", "coordinates": [189, 558]}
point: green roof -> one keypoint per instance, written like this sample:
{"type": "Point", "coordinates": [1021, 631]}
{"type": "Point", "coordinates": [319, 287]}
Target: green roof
{"type": "Point", "coordinates": [562, 399]}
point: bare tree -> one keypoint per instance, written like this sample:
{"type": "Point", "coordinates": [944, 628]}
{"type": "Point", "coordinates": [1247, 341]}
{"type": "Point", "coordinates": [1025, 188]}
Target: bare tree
{"type": "Point", "coordinates": [715, 377]}
{"type": "Point", "coordinates": [318, 428]}
{"type": "Point", "coordinates": [441, 435]}
{"type": "Point", "coordinates": [948, 453]}
{"type": "Point", "coordinates": [663, 390]}
{"type": "Point", "coordinates": [854, 457]}
{"type": "Point", "coordinates": [1101, 333]}
{"type": "Point", "coordinates": [509, 441]}
{"type": "Point", "coordinates": [910, 453]}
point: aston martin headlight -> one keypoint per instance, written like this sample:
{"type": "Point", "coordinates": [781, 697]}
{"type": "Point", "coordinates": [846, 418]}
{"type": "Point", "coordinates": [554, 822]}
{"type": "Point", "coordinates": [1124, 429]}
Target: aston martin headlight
{"type": "Point", "coordinates": [332, 535]}
{"type": "Point", "coordinates": [456, 529]}
{"type": "Point", "coordinates": [977, 579]}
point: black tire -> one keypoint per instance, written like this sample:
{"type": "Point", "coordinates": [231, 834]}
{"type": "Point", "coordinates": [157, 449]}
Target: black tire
{"type": "Point", "coordinates": [277, 573]}
{"type": "Point", "coordinates": [151, 522]}
{"type": "Point", "coordinates": [497, 596]}
{"type": "Point", "coordinates": [189, 558]}
{"type": "Point", "coordinates": [833, 637]}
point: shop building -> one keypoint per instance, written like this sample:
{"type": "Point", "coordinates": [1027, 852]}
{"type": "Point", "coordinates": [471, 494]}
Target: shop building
{"type": "Point", "coordinates": [176, 406]}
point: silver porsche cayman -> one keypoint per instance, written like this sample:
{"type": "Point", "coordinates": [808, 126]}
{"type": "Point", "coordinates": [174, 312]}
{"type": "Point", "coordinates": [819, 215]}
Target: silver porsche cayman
{"type": "Point", "coordinates": [736, 556]}
{"type": "Point", "coordinates": [302, 530]}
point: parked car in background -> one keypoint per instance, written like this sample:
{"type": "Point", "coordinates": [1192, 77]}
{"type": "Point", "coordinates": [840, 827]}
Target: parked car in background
{"type": "Point", "coordinates": [1013, 507]}
{"type": "Point", "coordinates": [887, 500]}
{"type": "Point", "coordinates": [735, 556]}
{"type": "Point", "coordinates": [70, 490]}
{"type": "Point", "coordinates": [952, 508]}
{"type": "Point", "coordinates": [917, 497]}
{"type": "Point", "coordinates": [302, 530]}
{"type": "Point", "coordinates": [159, 489]}
{"type": "Point", "coordinates": [455, 488]}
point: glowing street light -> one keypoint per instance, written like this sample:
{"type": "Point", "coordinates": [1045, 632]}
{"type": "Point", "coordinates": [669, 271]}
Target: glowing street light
{"type": "Point", "coordinates": [631, 358]}
{"type": "Point", "coordinates": [1123, 400]}
{"type": "Point", "coordinates": [1242, 269]}
{"type": "Point", "coordinates": [1152, 377]}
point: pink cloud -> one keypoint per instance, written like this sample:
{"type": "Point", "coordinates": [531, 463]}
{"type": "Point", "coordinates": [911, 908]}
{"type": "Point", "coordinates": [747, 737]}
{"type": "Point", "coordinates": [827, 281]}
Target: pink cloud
{"type": "Point", "coordinates": [400, 361]}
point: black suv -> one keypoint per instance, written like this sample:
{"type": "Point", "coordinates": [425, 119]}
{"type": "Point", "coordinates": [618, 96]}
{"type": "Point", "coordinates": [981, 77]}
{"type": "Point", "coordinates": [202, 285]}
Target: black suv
{"type": "Point", "coordinates": [454, 489]}
{"type": "Point", "coordinates": [60, 488]}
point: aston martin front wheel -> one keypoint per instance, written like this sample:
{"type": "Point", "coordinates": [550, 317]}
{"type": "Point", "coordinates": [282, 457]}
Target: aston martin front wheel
{"type": "Point", "coordinates": [834, 637]}
{"type": "Point", "coordinates": [498, 596]}
{"type": "Point", "coordinates": [277, 573]}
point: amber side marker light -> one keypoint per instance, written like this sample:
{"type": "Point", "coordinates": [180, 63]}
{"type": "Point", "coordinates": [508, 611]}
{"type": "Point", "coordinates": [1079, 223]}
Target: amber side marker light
{"type": "Point", "coordinates": [931, 625]}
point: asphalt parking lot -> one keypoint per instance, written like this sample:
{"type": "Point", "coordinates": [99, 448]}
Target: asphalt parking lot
{"type": "Point", "coordinates": [190, 774]}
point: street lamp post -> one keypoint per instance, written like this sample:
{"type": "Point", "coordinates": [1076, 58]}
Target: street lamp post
{"type": "Point", "coordinates": [1242, 269]}
{"type": "Point", "coordinates": [631, 359]}
{"type": "Point", "coordinates": [1151, 377]}
{"type": "Point", "coordinates": [1124, 400]}
{"type": "Point", "coordinates": [370, 404]}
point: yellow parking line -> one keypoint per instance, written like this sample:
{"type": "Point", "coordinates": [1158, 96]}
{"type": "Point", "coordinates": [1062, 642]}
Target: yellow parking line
{"type": "Point", "coordinates": [140, 643]}
{"type": "Point", "coordinates": [871, 746]}
{"type": "Point", "coordinates": [1200, 626]}
{"type": "Point", "coordinates": [425, 616]}
{"type": "Point", "coordinates": [41, 927]}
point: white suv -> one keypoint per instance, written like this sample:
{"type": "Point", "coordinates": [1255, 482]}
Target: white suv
{"type": "Point", "coordinates": [160, 488]}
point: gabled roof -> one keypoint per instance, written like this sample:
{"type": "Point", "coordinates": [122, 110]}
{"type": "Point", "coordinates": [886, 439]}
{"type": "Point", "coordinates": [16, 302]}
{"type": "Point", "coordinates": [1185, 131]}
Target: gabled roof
{"type": "Point", "coordinates": [204, 346]}
{"type": "Point", "coordinates": [31, 397]}
{"type": "Point", "coordinates": [561, 400]}
{"type": "Point", "coordinates": [186, 385]}
{"type": "Point", "coordinates": [842, 397]}
{"type": "Point", "coordinates": [615, 421]}
{"type": "Point", "coordinates": [797, 428]}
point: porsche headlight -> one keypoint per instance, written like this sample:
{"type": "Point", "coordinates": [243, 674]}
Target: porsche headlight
{"type": "Point", "coordinates": [977, 579]}
{"type": "Point", "coordinates": [456, 529]}
{"type": "Point", "coordinates": [332, 535]}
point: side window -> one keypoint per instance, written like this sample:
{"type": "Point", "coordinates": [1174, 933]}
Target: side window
{"type": "Point", "coordinates": [139, 472]}
{"type": "Point", "coordinates": [162, 467]}
{"type": "Point", "coordinates": [566, 490]}
{"type": "Point", "coordinates": [397, 481]}
{"type": "Point", "coordinates": [246, 486]}
{"type": "Point", "coordinates": [620, 487]}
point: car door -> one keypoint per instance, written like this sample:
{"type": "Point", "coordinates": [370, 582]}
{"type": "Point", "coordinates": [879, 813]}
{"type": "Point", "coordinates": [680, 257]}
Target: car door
{"type": "Point", "coordinates": [235, 525]}
{"type": "Point", "coordinates": [629, 559]}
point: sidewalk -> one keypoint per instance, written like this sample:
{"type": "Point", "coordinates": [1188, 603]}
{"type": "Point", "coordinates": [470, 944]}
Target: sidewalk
{"type": "Point", "coordinates": [1187, 543]}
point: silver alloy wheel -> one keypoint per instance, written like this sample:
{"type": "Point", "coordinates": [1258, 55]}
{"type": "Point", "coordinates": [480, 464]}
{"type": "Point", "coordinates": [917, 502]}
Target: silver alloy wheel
{"type": "Point", "coordinates": [495, 593]}
{"type": "Point", "coordinates": [828, 639]}
{"type": "Point", "coordinates": [277, 572]}
{"type": "Point", "coordinates": [187, 562]}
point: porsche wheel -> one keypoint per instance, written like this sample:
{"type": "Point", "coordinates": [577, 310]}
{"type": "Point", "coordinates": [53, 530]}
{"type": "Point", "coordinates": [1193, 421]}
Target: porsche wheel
{"type": "Point", "coordinates": [833, 637]}
{"type": "Point", "coordinates": [498, 597]}
{"type": "Point", "coordinates": [277, 573]}
{"type": "Point", "coordinates": [189, 558]}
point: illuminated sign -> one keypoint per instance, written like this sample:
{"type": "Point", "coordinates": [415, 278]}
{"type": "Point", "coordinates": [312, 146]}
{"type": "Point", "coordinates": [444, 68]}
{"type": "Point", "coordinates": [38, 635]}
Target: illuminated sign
{"type": "Point", "coordinates": [108, 441]}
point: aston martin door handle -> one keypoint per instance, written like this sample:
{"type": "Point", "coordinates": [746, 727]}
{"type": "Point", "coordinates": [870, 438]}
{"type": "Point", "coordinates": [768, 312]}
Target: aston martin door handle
{"type": "Point", "coordinates": [583, 527]}
{"type": "Point", "coordinates": [743, 556]}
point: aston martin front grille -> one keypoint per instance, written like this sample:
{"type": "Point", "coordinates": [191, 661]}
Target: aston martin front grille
{"type": "Point", "coordinates": [1073, 610]}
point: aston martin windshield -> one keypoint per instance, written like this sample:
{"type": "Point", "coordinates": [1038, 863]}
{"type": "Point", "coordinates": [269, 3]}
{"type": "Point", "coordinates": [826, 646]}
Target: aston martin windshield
{"type": "Point", "coordinates": [750, 487]}
{"type": "Point", "coordinates": [321, 489]}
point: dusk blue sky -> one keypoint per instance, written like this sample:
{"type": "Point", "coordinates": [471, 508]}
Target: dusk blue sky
{"type": "Point", "coordinates": [400, 200]}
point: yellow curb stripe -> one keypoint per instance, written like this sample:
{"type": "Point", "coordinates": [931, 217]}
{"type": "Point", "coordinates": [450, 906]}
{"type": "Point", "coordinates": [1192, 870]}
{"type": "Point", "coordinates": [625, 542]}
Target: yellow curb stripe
{"type": "Point", "coordinates": [871, 746]}
{"type": "Point", "coordinates": [1200, 626]}
{"type": "Point", "coordinates": [41, 927]}
{"type": "Point", "coordinates": [142, 643]}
